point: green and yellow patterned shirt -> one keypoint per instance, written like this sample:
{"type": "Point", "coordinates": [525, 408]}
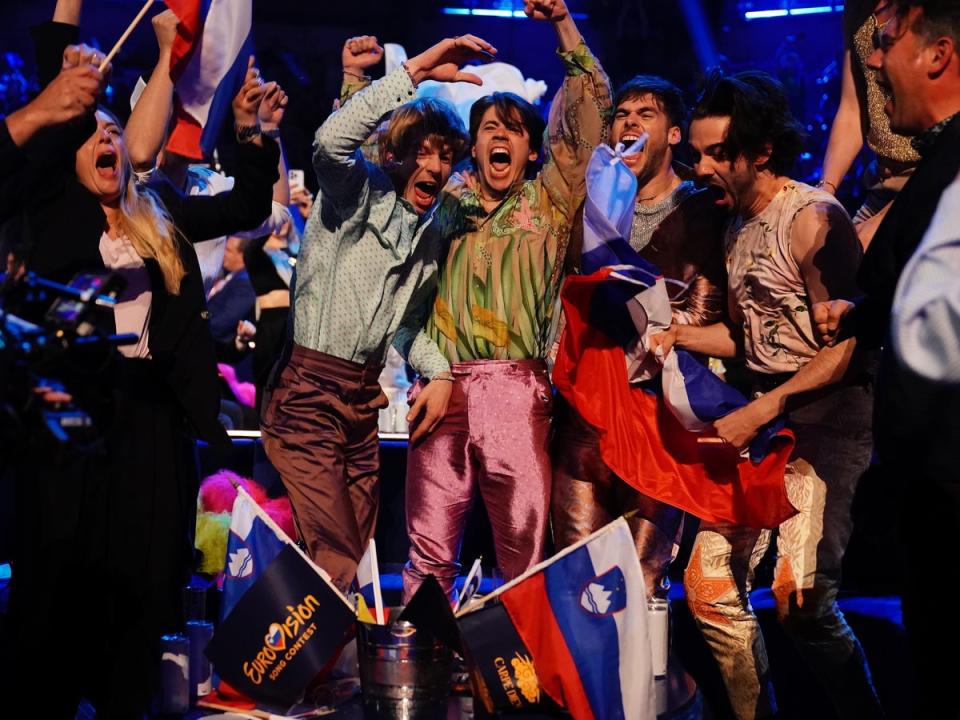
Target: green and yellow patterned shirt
{"type": "Point", "coordinates": [502, 271]}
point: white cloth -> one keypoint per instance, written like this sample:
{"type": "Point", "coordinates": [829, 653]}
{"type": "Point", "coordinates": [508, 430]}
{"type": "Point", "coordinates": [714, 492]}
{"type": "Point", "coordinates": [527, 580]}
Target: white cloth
{"type": "Point", "coordinates": [925, 323]}
{"type": "Point", "coordinates": [132, 311]}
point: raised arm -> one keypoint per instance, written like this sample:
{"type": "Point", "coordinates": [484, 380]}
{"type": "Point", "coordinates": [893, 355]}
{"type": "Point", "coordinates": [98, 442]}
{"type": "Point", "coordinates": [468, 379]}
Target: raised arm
{"type": "Point", "coordinates": [359, 54]}
{"type": "Point", "coordinates": [579, 114]}
{"type": "Point", "coordinates": [846, 133]}
{"type": "Point", "coordinates": [68, 12]}
{"type": "Point", "coordinates": [341, 171]}
{"type": "Point", "coordinates": [270, 113]}
{"type": "Point", "coordinates": [249, 202]}
{"type": "Point", "coordinates": [149, 121]}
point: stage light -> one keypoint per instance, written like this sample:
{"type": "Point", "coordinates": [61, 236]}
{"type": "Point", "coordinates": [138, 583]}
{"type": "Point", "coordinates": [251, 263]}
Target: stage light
{"type": "Point", "coordinates": [498, 13]}
{"type": "Point", "coordinates": [791, 12]}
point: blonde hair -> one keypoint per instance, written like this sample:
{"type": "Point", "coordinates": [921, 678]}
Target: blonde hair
{"type": "Point", "coordinates": [147, 225]}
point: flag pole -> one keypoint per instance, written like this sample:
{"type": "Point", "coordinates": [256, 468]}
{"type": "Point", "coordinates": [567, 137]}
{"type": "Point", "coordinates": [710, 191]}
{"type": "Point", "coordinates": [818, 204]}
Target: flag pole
{"type": "Point", "coordinates": [480, 602]}
{"type": "Point", "coordinates": [126, 34]}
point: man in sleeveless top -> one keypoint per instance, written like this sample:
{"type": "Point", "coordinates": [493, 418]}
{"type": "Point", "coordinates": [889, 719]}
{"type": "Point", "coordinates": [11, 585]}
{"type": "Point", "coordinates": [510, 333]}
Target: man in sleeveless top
{"type": "Point", "coordinates": [787, 245]}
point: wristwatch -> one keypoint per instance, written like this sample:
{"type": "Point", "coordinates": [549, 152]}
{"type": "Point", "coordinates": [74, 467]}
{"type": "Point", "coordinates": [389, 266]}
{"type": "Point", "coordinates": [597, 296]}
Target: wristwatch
{"type": "Point", "coordinates": [246, 133]}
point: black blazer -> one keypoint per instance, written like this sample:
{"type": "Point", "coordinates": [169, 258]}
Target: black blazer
{"type": "Point", "coordinates": [901, 232]}
{"type": "Point", "coordinates": [914, 418]}
{"type": "Point", "coordinates": [63, 224]}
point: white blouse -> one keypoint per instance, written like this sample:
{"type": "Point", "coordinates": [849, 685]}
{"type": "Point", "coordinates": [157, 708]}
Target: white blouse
{"type": "Point", "coordinates": [132, 311]}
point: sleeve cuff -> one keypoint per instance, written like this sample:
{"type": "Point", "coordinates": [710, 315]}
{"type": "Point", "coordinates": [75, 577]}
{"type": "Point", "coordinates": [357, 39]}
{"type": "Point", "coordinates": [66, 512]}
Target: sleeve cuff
{"type": "Point", "coordinates": [579, 61]}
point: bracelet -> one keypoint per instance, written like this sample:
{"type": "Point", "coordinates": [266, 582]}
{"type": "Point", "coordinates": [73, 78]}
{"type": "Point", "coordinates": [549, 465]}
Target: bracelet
{"type": "Point", "coordinates": [365, 78]}
{"type": "Point", "coordinates": [272, 133]}
{"type": "Point", "coordinates": [246, 133]}
{"type": "Point", "coordinates": [827, 182]}
{"type": "Point", "coordinates": [443, 376]}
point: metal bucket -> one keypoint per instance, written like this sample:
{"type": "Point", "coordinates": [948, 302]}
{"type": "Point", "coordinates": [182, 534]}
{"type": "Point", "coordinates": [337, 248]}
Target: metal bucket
{"type": "Point", "coordinates": [404, 675]}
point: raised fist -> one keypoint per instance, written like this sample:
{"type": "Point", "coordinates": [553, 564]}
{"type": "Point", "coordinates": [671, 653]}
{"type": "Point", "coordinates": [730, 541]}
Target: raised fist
{"type": "Point", "coordinates": [360, 53]}
{"type": "Point", "coordinates": [549, 10]}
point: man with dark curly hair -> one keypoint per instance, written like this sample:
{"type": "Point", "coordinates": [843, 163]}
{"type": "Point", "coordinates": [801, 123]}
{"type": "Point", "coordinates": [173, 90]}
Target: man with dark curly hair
{"type": "Point", "coordinates": [787, 245]}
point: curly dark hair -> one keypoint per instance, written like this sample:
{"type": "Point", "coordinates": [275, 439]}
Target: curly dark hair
{"type": "Point", "coordinates": [667, 95]}
{"type": "Point", "coordinates": [760, 118]}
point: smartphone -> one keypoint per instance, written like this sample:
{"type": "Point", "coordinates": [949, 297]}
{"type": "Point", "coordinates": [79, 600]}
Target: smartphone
{"type": "Point", "coordinates": [295, 179]}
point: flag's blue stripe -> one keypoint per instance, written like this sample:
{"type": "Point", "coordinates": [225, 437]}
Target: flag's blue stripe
{"type": "Point", "coordinates": [608, 310]}
{"type": "Point", "coordinates": [368, 597]}
{"type": "Point", "coordinates": [710, 397]}
{"type": "Point", "coordinates": [592, 640]}
{"type": "Point", "coordinates": [223, 96]}
{"type": "Point", "coordinates": [612, 252]}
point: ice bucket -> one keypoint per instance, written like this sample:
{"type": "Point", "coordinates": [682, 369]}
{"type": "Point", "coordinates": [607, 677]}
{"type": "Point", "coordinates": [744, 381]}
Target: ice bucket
{"type": "Point", "coordinates": [404, 675]}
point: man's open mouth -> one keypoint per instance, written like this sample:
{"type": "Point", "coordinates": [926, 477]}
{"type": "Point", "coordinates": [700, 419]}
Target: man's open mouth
{"type": "Point", "coordinates": [500, 160]}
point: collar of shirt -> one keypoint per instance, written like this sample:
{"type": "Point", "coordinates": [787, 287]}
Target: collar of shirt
{"type": "Point", "coordinates": [925, 141]}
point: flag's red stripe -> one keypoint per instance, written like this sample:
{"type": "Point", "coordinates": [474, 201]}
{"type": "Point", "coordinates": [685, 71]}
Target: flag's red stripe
{"type": "Point", "coordinates": [529, 610]}
{"type": "Point", "coordinates": [188, 34]}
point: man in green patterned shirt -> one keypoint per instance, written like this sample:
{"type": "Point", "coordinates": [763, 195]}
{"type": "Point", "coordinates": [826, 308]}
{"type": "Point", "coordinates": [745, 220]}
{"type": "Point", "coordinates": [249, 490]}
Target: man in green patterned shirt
{"type": "Point", "coordinates": [506, 235]}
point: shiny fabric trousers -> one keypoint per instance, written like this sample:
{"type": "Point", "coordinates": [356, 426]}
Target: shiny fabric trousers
{"type": "Point", "coordinates": [320, 433]}
{"type": "Point", "coordinates": [494, 439]}
{"type": "Point", "coordinates": [587, 495]}
{"type": "Point", "coordinates": [832, 451]}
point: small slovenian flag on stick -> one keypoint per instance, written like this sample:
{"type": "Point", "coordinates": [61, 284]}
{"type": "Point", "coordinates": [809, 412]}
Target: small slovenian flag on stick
{"type": "Point", "coordinates": [368, 582]}
{"type": "Point", "coordinates": [208, 65]}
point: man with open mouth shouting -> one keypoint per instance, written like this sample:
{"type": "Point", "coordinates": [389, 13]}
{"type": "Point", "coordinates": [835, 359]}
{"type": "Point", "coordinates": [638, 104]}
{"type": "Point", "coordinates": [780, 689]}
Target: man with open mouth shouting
{"type": "Point", "coordinates": [506, 239]}
{"type": "Point", "coordinates": [678, 229]}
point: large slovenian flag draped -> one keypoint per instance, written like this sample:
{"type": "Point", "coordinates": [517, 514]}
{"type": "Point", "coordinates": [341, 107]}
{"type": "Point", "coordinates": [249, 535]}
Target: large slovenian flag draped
{"type": "Point", "coordinates": [652, 438]}
{"type": "Point", "coordinates": [580, 619]}
{"type": "Point", "coordinates": [207, 66]}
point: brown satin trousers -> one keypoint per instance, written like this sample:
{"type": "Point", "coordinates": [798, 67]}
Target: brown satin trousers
{"type": "Point", "coordinates": [320, 433]}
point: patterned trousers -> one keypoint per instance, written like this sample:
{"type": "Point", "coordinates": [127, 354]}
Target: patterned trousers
{"type": "Point", "coordinates": [833, 449]}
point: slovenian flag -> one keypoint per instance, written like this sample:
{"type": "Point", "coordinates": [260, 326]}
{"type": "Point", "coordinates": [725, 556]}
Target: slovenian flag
{"type": "Point", "coordinates": [254, 541]}
{"type": "Point", "coordinates": [574, 627]}
{"type": "Point", "coordinates": [650, 433]}
{"type": "Point", "coordinates": [208, 64]}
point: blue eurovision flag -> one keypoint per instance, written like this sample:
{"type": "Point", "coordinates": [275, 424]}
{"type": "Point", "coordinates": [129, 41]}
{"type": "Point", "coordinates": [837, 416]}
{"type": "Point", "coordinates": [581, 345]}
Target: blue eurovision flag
{"type": "Point", "coordinates": [283, 630]}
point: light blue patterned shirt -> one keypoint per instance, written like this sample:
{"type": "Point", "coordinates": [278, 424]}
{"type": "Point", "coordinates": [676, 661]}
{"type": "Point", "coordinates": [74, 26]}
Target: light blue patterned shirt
{"type": "Point", "coordinates": [368, 262]}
